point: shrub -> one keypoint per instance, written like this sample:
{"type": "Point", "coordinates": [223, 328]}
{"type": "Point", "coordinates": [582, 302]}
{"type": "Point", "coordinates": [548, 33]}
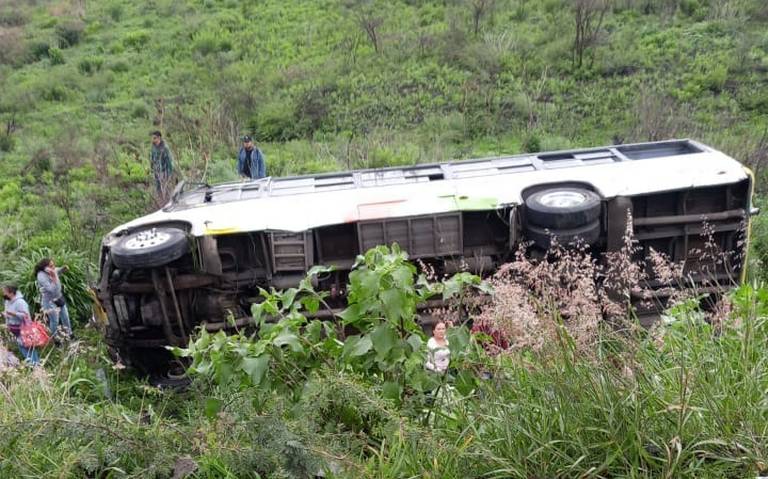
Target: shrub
{"type": "Point", "coordinates": [39, 50]}
{"type": "Point", "coordinates": [119, 66]}
{"type": "Point", "coordinates": [136, 39]}
{"type": "Point", "coordinates": [56, 56]}
{"type": "Point", "coordinates": [7, 142]}
{"type": "Point", "coordinates": [115, 12]}
{"type": "Point", "coordinates": [11, 46]}
{"type": "Point", "coordinates": [12, 18]}
{"type": "Point", "coordinates": [90, 65]}
{"type": "Point", "coordinates": [54, 93]}
{"type": "Point", "coordinates": [70, 33]}
{"type": "Point", "coordinates": [275, 121]}
{"type": "Point", "coordinates": [532, 144]}
{"type": "Point", "coordinates": [20, 271]}
{"type": "Point", "coordinates": [139, 110]}
{"type": "Point", "coordinates": [689, 7]}
{"type": "Point", "coordinates": [207, 42]}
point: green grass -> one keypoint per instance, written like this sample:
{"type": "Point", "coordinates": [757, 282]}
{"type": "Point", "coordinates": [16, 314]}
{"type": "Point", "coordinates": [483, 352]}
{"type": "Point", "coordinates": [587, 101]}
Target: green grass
{"type": "Point", "coordinates": [683, 400]}
{"type": "Point", "coordinates": [82, 88]}
{"type": "Point", "coordinates": [80, 91]}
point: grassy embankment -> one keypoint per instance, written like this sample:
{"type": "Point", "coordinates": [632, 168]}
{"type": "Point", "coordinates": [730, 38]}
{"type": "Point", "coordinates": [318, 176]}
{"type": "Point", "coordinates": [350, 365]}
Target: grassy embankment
{"type": "Point", "coordinates": [82, 83]}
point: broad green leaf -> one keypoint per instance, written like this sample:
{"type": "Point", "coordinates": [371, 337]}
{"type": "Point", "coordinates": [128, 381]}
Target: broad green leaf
{"type": "Point", "coordinates": [383, 338]}
{"type": "Point", "coordinates": [485, 287]}
{"type": "Point", "coordinates": [451, 289]}
{"type": "Point", "coordinates": [212, 407]}
{"type": "Point", "coordinates": [204, 368]}
{"type": "Point", "coordinates": [255, 368]}
{"type": "Point", "coordinates": [311, 303]}
{"type": "Point", "coordinates": [350, 315]}
{"type": "Point", "coordinates": [458, 339]}
{"type": "Point", "coordinates": [415, 341]}
{"type": "Point", "coordinates": [314, 331]}
{"type": "Point", "coordinates": [224, 372]}
{"type": "Point", "coordinates": [287, 297]}
{"type": "Point", "coordinates": [180, 352]}
{"type": "Point", "coordinates": [330, 332]}
{"type": "Point", "coordinates": [356, 346]}
{"type": "Point", "coordinates": [369, 282]}
{"type": "Point", "coordinates": [393, 303]}
{"type": "Point", "coordinates": [403, 276]}
{"type": "Point", "coordinates": [290, 339]}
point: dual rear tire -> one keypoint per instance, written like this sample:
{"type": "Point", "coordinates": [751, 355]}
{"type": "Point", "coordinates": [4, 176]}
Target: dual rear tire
{"type": "Point", "coordinates": [566, 215]}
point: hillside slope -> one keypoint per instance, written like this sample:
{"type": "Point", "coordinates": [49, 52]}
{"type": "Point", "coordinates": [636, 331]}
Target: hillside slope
{"type": "Point", "coordinates": [335, 84]}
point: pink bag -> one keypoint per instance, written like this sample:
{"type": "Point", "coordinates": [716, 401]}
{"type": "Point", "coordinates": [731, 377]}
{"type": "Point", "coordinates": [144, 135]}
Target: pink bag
{"type": "Point", "coordinates": [34, 334]}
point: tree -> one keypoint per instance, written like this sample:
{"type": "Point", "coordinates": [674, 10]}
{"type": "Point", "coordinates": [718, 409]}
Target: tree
{"type": "Point", "coordinates": [588, 17]}
{"type": "Point", "coordinates": [480, 8]}
{"type": "Point", "coordinates": [369, 18]}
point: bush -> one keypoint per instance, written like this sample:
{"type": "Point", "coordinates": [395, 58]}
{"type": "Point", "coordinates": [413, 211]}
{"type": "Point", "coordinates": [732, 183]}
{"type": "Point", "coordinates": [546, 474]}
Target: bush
{"type": "Point", "coordinates": [90, 65]}
{"type": "Point", "coordinates": [7, 142]}
{"type": "Point", "coordinates": [207, 42]}
{"type": "Point", "coordinates": [119, 66]}
{"type": "Point", "coordinates": [12, 18]}
{"type": "Point", "coordinates": [70, 33]}
{"type": "Point", "coordinates": [275, 121]}
{"type": "Point", "coordinates": [689, 7]}
{"type": "Point", "coordinates": [11, 46]}
{"type": "Point", "coordinates": [136, 39]}
{"type": "Point", "coordinates": [20, 271]}
{"type": "Point", "coordinates": [56, 56]}
{"type": "Point", "coordinates": [115, 12]}
{"type": "Point", "coordinates": [54, 93]}
{"type": "Point", "coordinates": [39, 50]}
{"type": "Point", "coordinates": [139, 110]}
{"type": "Point", "coordinates": [532, 144]}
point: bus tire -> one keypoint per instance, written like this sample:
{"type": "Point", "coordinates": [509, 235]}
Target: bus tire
{"type": "Point", "coordinates": [562, 208]}
{"type": "Point", "coordinates": [542, 237]}
{"type": "Point", "coordinates": [150, 248]}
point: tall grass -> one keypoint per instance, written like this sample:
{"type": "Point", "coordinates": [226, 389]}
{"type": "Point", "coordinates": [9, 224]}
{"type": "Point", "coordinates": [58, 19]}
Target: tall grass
{"type": "Point", "coordinates": [684, 400]}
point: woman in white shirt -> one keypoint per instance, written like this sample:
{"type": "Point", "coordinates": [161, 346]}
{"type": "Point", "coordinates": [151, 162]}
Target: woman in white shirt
{"type": "Point", "coordinates": [438, 354]}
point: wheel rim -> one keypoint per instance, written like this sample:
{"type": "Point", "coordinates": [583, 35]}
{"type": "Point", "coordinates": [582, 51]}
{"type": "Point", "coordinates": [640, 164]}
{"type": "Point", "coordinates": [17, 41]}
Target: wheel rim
{"type": "Point", "coordinates": [147, 239]}
{"type": "Point", "coordinates": [563, 199]}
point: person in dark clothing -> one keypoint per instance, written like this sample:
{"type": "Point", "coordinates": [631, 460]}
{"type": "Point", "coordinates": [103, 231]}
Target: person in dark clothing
{"type": "Point", "coordinates": [161, 162]}
{"type": "Point", "coordinates": [250, 161]}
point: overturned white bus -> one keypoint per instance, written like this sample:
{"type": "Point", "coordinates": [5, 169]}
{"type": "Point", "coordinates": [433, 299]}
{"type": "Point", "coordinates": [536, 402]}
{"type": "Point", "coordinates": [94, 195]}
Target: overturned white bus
{"type": "Point", "coordinates": [205, 254]}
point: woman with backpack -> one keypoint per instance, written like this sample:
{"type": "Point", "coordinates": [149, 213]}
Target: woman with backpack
{"type": "Point", "coordinates": [16, 312]}
{"type": "Point", "coordinates": [52, 297]}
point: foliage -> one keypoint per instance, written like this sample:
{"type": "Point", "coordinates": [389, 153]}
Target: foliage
{"type": "Point", "coordinates": [74, 282]}
{"type": "Point", "coordinates": [338, 84]}
{"type": "Point", "coordinates": [684, 399]}
{"type": "Point", "coordinates": [388, 84]}
{"type": "Point", "coordinates": [387, 347]}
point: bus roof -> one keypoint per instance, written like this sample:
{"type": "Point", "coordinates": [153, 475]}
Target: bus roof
{"type": "Point", "coordinates": [298, 203]}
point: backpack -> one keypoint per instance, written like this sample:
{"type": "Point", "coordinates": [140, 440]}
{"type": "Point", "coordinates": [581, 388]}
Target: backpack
{"type": "Point", "coordinates": [33, 334]}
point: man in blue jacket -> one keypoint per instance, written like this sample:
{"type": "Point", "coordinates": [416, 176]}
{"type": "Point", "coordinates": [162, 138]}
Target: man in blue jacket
{"type": "Point", "coordinates": [250, 161]}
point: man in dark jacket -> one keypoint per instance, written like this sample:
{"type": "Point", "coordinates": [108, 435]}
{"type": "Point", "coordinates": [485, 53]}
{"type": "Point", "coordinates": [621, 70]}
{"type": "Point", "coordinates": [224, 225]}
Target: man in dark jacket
{"type": "Point", "coordinates": [250, 161]}
{"type": "Point", "coordinates": [161, 161]}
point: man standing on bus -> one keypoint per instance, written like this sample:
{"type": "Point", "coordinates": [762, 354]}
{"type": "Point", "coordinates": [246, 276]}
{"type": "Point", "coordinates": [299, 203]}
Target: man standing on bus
{"type": "Point", "coordinates": [250, 161]}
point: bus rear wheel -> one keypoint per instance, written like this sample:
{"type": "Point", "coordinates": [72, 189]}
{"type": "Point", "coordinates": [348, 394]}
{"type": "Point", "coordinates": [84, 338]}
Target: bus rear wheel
{"type": "Point", "coordinates": [562, 208]}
